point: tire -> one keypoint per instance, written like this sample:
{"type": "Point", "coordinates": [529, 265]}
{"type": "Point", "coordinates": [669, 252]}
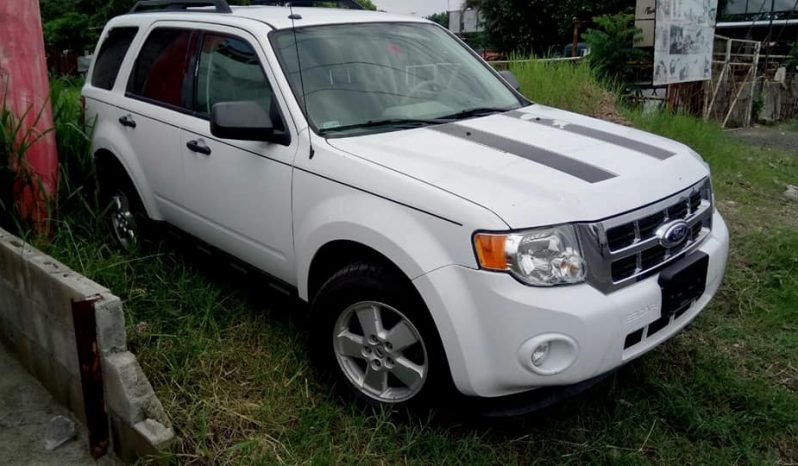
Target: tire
{"type": "Point", "coordinates": [373, 337]}
{"type": "Point", "coordinates": [123, 210]}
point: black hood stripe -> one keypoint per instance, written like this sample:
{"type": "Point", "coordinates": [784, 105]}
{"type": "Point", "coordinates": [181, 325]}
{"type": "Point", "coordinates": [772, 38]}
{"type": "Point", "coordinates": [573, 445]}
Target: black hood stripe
{"type": "Point", "coordinates": [573, 167]}
{"type": "Point", "coordinates": [627, 143]}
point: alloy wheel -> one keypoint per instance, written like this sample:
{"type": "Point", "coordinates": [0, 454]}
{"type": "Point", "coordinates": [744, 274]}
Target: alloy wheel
{"type": "Point", "coordinates": [381, 352]}
{"type": "Point", "coordinates": [123, 223]}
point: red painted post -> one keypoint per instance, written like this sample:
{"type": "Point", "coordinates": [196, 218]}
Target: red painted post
{"type": "Point", "coordinates": [23, 71]}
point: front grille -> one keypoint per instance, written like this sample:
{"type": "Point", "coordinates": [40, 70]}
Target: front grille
{"type": "Point", "coordinates": [623, 249]}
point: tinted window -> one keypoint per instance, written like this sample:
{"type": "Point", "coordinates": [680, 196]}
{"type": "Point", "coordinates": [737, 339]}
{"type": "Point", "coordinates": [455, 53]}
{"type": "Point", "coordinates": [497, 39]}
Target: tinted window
{"type": "Point", "coordinates": [161, 72]}
{"type": "Point", "coordinates": [229, 71]}
{"type": "Point", "coordinates": [111, 55]}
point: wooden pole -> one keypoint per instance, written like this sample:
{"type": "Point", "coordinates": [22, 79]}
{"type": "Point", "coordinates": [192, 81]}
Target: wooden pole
{"type": "Point", "coordinates": [23, 74]}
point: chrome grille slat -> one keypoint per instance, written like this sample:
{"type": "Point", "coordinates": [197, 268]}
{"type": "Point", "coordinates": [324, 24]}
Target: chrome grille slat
{"type": "Point", "coordinates": [614, 261]}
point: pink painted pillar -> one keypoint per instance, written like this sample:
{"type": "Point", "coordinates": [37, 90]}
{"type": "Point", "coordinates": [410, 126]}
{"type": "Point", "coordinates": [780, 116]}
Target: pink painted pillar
{"type": "Point", "coordinates": [23, 72]}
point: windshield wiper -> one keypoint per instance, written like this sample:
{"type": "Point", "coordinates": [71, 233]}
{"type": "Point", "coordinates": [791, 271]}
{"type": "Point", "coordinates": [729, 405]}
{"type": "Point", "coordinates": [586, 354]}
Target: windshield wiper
{"type": "Point", "coordinates": [389, 122]}
{"type": "Point", "coordinates": [476, 112]}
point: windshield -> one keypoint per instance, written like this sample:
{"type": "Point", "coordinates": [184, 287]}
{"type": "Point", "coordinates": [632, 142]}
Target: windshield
{"type": "Point", "coordinates": [376, 77]}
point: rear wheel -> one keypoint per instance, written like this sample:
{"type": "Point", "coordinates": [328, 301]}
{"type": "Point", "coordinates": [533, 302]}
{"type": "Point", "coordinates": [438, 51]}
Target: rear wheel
{"type": "Point", "coordinates": [124, 211]}
{"type": "Point", "coordinates": [123, 222]}
{"type": "Point", "coordinates": [374, 337]}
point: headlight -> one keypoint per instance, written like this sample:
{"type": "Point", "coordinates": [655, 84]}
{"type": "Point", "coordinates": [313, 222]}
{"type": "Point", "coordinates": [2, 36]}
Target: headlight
{"type": "Point", "coordinates": [543, 257]}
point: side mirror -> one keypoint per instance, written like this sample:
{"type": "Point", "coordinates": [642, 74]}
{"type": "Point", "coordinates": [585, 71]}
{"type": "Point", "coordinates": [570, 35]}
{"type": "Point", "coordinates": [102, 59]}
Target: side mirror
{"type": "Point", "coordinates": [246, 121]}
{"type": "Point", "coordinates": [511, 79]}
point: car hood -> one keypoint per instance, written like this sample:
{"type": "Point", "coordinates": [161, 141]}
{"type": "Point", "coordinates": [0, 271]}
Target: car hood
{"type": "Point", "coordinates": [537, 165]}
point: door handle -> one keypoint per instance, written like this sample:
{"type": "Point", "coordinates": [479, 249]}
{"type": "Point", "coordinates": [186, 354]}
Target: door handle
{"type": "Point", "coordinates": [128, 121]}
{"type": "Point", "coordinates": [198, 146]}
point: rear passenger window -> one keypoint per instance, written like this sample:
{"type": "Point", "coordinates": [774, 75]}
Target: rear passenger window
{"type": "Point", "coordinates": [109, 58]}
{"type": "Point", "coordinates": [229, 71]}
{"type": "Point", "coordinates": [162, 69]}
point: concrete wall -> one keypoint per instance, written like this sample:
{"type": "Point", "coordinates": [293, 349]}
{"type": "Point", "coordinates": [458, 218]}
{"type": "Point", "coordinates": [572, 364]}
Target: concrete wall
{"type": "Point", "coordinates": [36, 322]}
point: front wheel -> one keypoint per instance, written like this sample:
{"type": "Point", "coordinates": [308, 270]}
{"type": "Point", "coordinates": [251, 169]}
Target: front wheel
{"type": "Point", "coordinates": [374, 336]}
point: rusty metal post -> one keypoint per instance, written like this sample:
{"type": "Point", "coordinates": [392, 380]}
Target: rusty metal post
{"type": "Point", "coordinates": [91, 376]}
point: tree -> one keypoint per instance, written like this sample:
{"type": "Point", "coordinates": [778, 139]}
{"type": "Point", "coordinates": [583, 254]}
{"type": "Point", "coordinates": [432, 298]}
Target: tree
{"type": "Point", "coordinates": [612, 45]}
{"type": "Point", "coordinates": [367, 4]}
{"type": "Point", "coordinates": [525, 26]}
{"type": "Point", "coordinates": [519, 26]}
{"type": "Point", "coordinates": [441, 18]}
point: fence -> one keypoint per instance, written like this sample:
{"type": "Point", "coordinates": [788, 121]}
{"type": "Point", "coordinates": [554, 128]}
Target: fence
{"type": "Point", "coordinates": [729, 97]}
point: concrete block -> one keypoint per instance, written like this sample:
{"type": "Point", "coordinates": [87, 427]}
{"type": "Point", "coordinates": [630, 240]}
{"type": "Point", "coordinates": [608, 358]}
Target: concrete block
{"type": "Point", "coordinates": [156, 434]}
{"type": "Point", "coordinates": [15, 269]}
{"type": "Point", "coordinates": [36, 296]}
{"type": "Point", "coordinates": [111, 332]}
{"type": "Point", "coordinates": [63, 347]}
{"type": "Point", "coordinates": [128, 392]}
{"type": "Point", "coordinates": [66, 287]}
{"type": "Point", "coordinates": [11, 303]}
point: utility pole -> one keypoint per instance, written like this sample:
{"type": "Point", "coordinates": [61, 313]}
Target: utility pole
{"type": "Point", "coordinates": [23, 75]}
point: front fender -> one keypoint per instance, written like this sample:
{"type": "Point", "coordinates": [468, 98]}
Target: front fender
{"type": "Point", "coordinates": [415, 242]}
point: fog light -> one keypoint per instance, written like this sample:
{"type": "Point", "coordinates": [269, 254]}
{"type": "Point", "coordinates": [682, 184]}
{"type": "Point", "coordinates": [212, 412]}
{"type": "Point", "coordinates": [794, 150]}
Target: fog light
{"type": "Point", "coordinates": [540, 354]}
{"type": "Point", "coordinates": [548, 354]}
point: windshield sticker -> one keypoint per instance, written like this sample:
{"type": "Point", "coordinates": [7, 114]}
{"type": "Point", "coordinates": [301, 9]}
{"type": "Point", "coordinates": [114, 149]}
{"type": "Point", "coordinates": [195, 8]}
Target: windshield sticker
{"type": "Point", "coordinates": [395, 49]}
{"type": "Point", "coordinates": [330, 124]}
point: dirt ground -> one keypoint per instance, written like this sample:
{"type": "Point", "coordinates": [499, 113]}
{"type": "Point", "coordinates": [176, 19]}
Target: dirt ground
{"type": "Point", "coordinates": [782, 138]}
{"type": "Point", "coordinates": [25, 411]}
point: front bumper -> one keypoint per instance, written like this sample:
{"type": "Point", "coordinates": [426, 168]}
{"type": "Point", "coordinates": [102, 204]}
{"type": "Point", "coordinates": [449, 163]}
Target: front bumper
{"type": "Point", "coordinates": [490, 323]}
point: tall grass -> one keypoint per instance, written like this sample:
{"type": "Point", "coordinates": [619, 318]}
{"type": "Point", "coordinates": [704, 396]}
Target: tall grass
{"type": "Point", "coordinates": [568, 85]}
{"type": "Point", "coordinates": [76, 183]}
{"type": "Point", "coordinates": [19, 132]}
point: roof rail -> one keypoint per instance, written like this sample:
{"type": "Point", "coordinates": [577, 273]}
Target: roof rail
{"type": "Point", "coordinates": [350, 4]}
{"type": "Point", "coordinates": [179, 5]}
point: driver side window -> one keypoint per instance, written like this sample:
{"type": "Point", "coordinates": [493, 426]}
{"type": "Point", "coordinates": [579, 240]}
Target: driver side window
{"type": "Point", "coordinates": [229, 71]}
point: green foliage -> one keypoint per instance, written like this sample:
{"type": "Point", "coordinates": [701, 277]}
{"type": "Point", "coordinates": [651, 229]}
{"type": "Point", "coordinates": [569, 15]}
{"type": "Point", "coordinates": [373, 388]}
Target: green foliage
{"type": "Point", "coordinates": [586, 10]}
{"type": "Point", "coordinates": [612, 45]}
{"type": "Point", "coordinates": [520, 26]}
{"type": "Point", "coordinates": [68, 32]}
{"type": "Point", "coordinates": [76, 24]}
{"type": "Point", "coordinates": [18, 133]}
{"type": "Point", "coordinates": [367, 4]}
{"type": "Point", "coordinates": [73, 141]}
{"type": "Point", "coordinates": [441, 18]}
{"type": "Point", "coordinates": [526, 26]}
{"type": "Point", "coordinates": [793, 55]}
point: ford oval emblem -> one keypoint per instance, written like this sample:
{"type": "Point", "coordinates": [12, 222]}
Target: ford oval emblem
{"type": "Point", "coordinates": [673, 234]}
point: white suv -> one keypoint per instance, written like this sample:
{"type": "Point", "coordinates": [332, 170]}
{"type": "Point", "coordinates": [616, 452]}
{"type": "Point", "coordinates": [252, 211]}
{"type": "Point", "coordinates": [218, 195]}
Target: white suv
{"type": "Point", "coordinates": [449, 234]}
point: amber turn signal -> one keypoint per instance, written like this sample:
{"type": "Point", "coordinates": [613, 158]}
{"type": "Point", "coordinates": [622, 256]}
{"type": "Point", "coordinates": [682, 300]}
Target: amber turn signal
{"type": "Point", "coordinates": [490, 251]}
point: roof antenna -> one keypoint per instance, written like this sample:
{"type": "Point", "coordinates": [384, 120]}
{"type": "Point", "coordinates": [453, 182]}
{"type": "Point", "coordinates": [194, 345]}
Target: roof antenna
{"type": "Point", "coordinates": [293, 17]}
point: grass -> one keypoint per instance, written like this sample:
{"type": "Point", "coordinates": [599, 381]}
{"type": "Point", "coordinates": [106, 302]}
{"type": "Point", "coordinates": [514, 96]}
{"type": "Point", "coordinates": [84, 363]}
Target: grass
{"type": "Point", "coordinates": [231, 368]}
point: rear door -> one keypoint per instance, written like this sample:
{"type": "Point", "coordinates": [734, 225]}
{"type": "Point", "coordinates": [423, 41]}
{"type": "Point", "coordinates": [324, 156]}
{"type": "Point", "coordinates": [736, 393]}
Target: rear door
{"type": "Point", "coordinates": [157, 98]}
{"type": "Point", "coordinates": [238, 193]}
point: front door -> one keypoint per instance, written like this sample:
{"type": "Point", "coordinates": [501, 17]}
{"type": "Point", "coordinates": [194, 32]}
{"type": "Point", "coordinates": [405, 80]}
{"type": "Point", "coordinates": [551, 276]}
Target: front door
{"type": "Point", "coordinates": [238, 193]}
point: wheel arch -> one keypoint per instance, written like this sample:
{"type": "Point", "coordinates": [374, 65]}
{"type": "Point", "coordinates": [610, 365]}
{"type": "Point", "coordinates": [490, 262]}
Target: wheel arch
{"type": "Point", "coordinates": [108, 163]}
{"type": "Point", "coordinates": [337, 254]}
